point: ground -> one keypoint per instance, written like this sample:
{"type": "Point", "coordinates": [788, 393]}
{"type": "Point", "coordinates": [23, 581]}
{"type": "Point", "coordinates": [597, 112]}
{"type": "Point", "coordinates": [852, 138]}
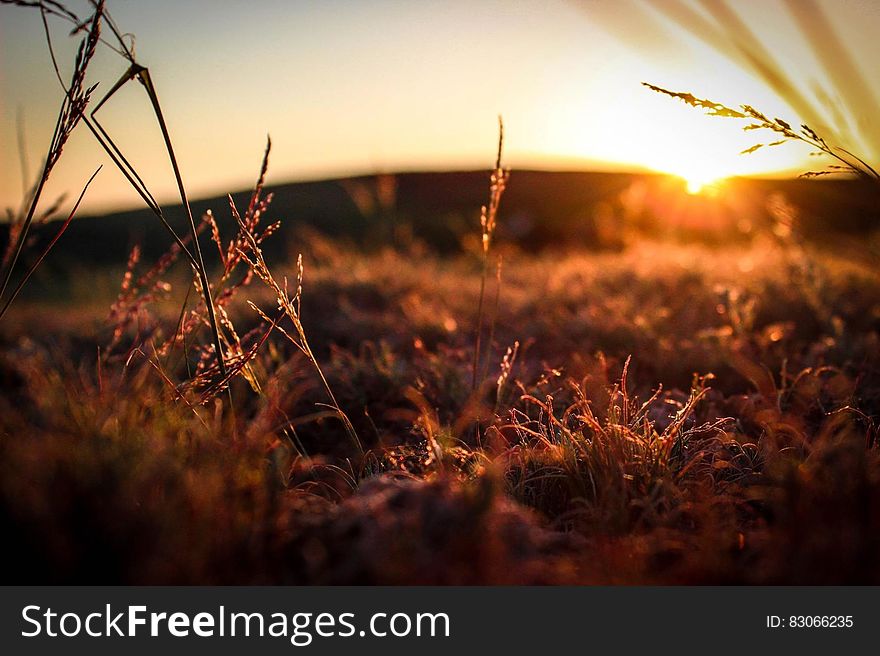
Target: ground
{"type": "Point", "coordinates": [738, 445]}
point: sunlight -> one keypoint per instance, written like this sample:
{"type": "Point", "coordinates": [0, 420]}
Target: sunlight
{"type": "Point", "coordinates": [651, 132]}
{"type": "Point", "coordinates": [701, 183]}
{"type": "Point", "coordinates": [694, 186]}
{"type": "Point", "coordinates": [701, 174]}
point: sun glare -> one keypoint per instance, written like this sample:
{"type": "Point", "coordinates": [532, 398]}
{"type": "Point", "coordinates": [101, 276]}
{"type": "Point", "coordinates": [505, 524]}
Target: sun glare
{"type": "Point", "coordinates": [694, 186]}
{"type": "Point", "coordinates": [701, 175]}
{"type": "Point", "coordinates": [701, 184]}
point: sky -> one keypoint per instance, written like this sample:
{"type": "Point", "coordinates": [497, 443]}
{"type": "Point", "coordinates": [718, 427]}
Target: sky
{"type": "Point", "coordinates": [362, 86]}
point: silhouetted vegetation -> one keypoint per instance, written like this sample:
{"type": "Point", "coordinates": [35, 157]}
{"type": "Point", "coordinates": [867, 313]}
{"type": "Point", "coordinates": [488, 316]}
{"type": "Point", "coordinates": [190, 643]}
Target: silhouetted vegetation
{"type": "Point", "coordinates": [671, 389]}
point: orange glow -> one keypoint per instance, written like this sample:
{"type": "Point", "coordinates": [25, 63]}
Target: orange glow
{"type": "Point", "coordinates": [568, 86]}
{"type": "Point", "coordinates": [700, 184]}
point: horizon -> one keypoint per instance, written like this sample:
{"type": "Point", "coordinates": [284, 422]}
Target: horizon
{"type": "Point", "coordinates": [174, 202]}
{"type": "Point", "coordinates": [339, 100]}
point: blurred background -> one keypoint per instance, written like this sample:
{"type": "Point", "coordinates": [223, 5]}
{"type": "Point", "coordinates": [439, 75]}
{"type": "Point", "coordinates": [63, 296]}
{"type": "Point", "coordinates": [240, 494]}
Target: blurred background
{"type": "Point", "coordinates": [349, 88]}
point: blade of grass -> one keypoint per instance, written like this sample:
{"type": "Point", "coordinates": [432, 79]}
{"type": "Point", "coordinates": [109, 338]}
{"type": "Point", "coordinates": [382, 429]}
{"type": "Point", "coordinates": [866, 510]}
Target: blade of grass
{"type": "Point", "coordinates": [487, 222]}
{"type": "Point", "coordinates": [49, 247]}
{"type": "Point", "coordinates": [76, 98]}
{"type": "Point", "coordinates": [142, 74]}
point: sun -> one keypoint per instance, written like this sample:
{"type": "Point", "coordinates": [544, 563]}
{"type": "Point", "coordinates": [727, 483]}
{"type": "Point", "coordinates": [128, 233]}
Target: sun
{"type": "Point", "coordinates": [704, 172]}
{"type": "Point", "coordinates": [699, 176]}
{"type": "Point", "coordinates": [696, 184]}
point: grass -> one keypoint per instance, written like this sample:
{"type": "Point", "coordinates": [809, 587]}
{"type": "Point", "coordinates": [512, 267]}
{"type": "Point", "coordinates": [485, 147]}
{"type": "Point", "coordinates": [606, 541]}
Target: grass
{"type": "Point", "coordinates": [666, 413]}
{"type": "Point", "coordinates": [844, 160]}
{"type": "Point", "coordinates": [72, 111]}
{"type": "Point", "coordinates": [760, 475]}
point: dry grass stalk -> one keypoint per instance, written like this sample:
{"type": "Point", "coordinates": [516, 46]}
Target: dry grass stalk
{"type": "Point", "coordinates": [488, 222]}
{"type": "Point", "coordinates": [612, 464]}
{"type": "Point", "coordinates": [844, 97]}
{"type": "Point", "coordinates": [15, 292]}
{"type": "Point", "coordinates": [245, 248]}
{"type": "Point", "coordinates": [76, 98]}
{"type": "Point", "coordinates": [139, 292]}
{"type": "Point", "coordinates": [847, 161]}
{"type": "Point", "coordinates": [73, 110]}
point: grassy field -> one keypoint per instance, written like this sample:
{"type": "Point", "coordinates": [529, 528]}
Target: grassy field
{"type": "Point", "coordinates": [608, 381]}
{"type": "Point", "coordinates": [738, 446]}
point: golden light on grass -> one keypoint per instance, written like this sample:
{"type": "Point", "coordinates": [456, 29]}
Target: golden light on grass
{"type": "Point", "coordinates": [537, 458]}
{"type": "Point", "coordinates": [645, 131]}
{"type": "Point", "coordinates": [744, 57]}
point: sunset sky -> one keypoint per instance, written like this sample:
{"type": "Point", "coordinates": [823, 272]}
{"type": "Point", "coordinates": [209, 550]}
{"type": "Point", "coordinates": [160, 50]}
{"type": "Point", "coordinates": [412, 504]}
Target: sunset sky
{"type": "Point", "coordinates": [348, 87]}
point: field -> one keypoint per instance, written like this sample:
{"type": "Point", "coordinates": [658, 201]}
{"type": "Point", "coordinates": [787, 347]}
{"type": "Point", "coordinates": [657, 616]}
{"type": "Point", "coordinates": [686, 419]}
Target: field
{"type": "Point", "coordinates": [461, 377]}
{"type": "Point", "coordinates": [738, 445]}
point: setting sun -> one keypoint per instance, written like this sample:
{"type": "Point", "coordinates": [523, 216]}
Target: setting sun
{"type": "Point", "coordinates": [697, 185]}
{"type": "Point", "coordinates": [570, 92]}
{"type": "Point", "coordinates": [700, 180]}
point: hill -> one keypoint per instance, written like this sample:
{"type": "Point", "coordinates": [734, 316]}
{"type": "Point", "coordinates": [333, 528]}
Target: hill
{"type": "Point", "coordinates": [591, 210]}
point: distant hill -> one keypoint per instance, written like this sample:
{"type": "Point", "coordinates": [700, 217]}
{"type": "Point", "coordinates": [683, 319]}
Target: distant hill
{"type": "Point", "coordinates": [540, 209]}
